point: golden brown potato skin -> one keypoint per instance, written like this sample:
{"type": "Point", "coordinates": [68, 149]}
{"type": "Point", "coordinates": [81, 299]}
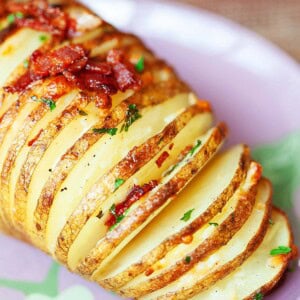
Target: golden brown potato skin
{"type": "Point", "coordinates": [150, 83]}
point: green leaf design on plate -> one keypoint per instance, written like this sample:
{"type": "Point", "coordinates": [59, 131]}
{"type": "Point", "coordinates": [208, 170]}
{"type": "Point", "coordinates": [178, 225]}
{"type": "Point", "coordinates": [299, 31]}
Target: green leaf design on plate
{"type": "Point", "coordinates": [281, 163]}
{"type": "Point", "coordinates": [48, 287]}
{"type": "Point", "coordinates": [77, 292]}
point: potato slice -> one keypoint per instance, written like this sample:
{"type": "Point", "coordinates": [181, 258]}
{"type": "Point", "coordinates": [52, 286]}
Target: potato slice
{"type": "Point", "coordinates": [143, 211]}
{"type": "Point", "coordinates": [205, 273]}
{"type": "Point", "coordinates": [12, 55]}
{"type": "Point", "coordinates": [92, 166]}
{"type": "Point", "coordinates": [179, 134]}
{"type": "Point", "coordinates": [142, 253]}
{"type": "Point", "coordinates": [261, 271]}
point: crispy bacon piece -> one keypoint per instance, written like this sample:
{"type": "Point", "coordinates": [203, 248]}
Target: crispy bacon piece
{"type": "Point", "coordinates": [123, 70]}
{"type": "Point", "coordinates": [136, 193]}
{"type": "Point", "coordinates": [159, 162]}
{"type": "Point", "coordinates": [39, 15]}
{"type": "Point", "coordinates": [70, 58]}
{"type": "Point", "coordinates": [2, 8]}
{"type": "Point", "coordinates": [97, 78]}
{"type": "Point", "coordinates": [41, 65]}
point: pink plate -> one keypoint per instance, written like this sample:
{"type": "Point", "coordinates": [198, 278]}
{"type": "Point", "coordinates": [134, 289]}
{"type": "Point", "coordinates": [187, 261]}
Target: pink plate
{"type": "Point", "coordinates": [254, 87]}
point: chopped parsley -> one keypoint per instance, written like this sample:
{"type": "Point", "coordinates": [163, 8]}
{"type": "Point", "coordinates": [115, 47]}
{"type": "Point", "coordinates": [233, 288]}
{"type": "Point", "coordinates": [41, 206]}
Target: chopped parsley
{"type": "Point", "coordinates": [140, 65]}
{"type": "Point", "coordinates": [280, 250]}
{"type": "Point", "coordinates": [43, 38]}
{"type": "Point", "coordinates": [193, 150]}
{"type": "Point", "coordinates": [172, 169]}
{"type": "Point", "coordinates": [213, 224]}
{"type": "Point", "coordinates": [26, 63]}
{"type": "Point", "coordinates": [111, 131]}
{"type": "Point", "coordinates": [11, 18]}
{"type": "Point", "coordinates": [187, 259]}
{"type": "Point", "coordinates": [82, 113]}
{"type": "Point", "coordinates": [271, 222]}
{"type": "Point", "coordinates": [118, 183]}
{"type": "Point", "coordinates": [49, 102]}
{"type": "Point", "coordinates": [259, 296]}
{"type": "Point", "coordinates": [187, 215]}
{"type": "Point", "coordinates": [132, 115]}
{"type": "Point", "coordinates": [112, 210]}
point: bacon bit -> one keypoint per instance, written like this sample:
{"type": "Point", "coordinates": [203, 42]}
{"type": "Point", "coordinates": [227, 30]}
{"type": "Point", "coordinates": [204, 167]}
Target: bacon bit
{"type": "Point", "coordinates": [149, 272]}
{"type": "Point", "coordinates": [31, 142]}
{"type": "Point", "coordinates": [162, 158]}
{"type": "Point", "coordinates": [171, 146]}
{"type": "Point", "coordinates": [204, 105]}
{"type": "Point", "coordinates": [124, 71]}
{"type": "Point", "coordinates": [71, 58]}
{"type": "Point", "coordinates": [2, 8]}
{"type": "Point", "coordinates": [134, 195]}
{"type": "Point", "coordinates": [20, 85]}
{"type": "Point", "coordinates": [101, 79]}
{"type": "Point", "coordinates": [187, 239]}
{"type": "Point", "coordinates": [39, 15]}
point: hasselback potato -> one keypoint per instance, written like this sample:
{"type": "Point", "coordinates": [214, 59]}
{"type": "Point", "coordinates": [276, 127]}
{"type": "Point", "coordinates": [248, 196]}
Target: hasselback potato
{"type": "Point", "coordinates": [112, 165]}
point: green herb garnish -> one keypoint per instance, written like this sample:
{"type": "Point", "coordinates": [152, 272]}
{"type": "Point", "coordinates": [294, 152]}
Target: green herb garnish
{"type": "Point", "coordinates": [172, 169]}
{"type": "Point", "coordinates": [26, 63]}
{"type": "Point", "coordinates": [118, 183]}
{"type": "Point", "coordinates": [112, 210]}
{"type": "Point", "coordinates": [19, 15]}
{"type": "Point", "coordinates": [49, 102]}
{"type": "Point", "coordinates": [187, 259]}
{"type": "Point", "coordinates": [193, 150]}
{"type": "Point", "coordinates": [82, 113]}
{"type": "Point", "coordinates": [258, 296]}
{"type": "Point", "coordinates": [271, 222]}
{"type": "Point", "coordinates": [118, 218]}
{"type": "Point", "coordinates": [43, 38]}
{"type": "Point", "coordinates": [111, 131]}
{"type": "Point", "coordinates": [140, 65]}
{"type": "Point", "coordinates": [213, 224]}
{"type": "Point", "coordinates": [11, 18]}
{"type": "Point", "coordinates": [280, 250]}
{"type": "Point", "coordinates": [187, 215]}
{"type": "Point", "coordinates": [132, 115]}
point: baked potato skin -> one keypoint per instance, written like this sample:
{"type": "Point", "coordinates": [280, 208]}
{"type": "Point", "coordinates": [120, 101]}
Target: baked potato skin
{"type": "Point", "coordinates": [172, 241]}
{"type": "Point", "coordinates": [160, 83]}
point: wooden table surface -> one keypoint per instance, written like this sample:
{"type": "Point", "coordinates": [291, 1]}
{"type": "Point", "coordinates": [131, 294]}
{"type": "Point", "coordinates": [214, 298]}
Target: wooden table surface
{"type": "Point", "coordinates": [277, 20]}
